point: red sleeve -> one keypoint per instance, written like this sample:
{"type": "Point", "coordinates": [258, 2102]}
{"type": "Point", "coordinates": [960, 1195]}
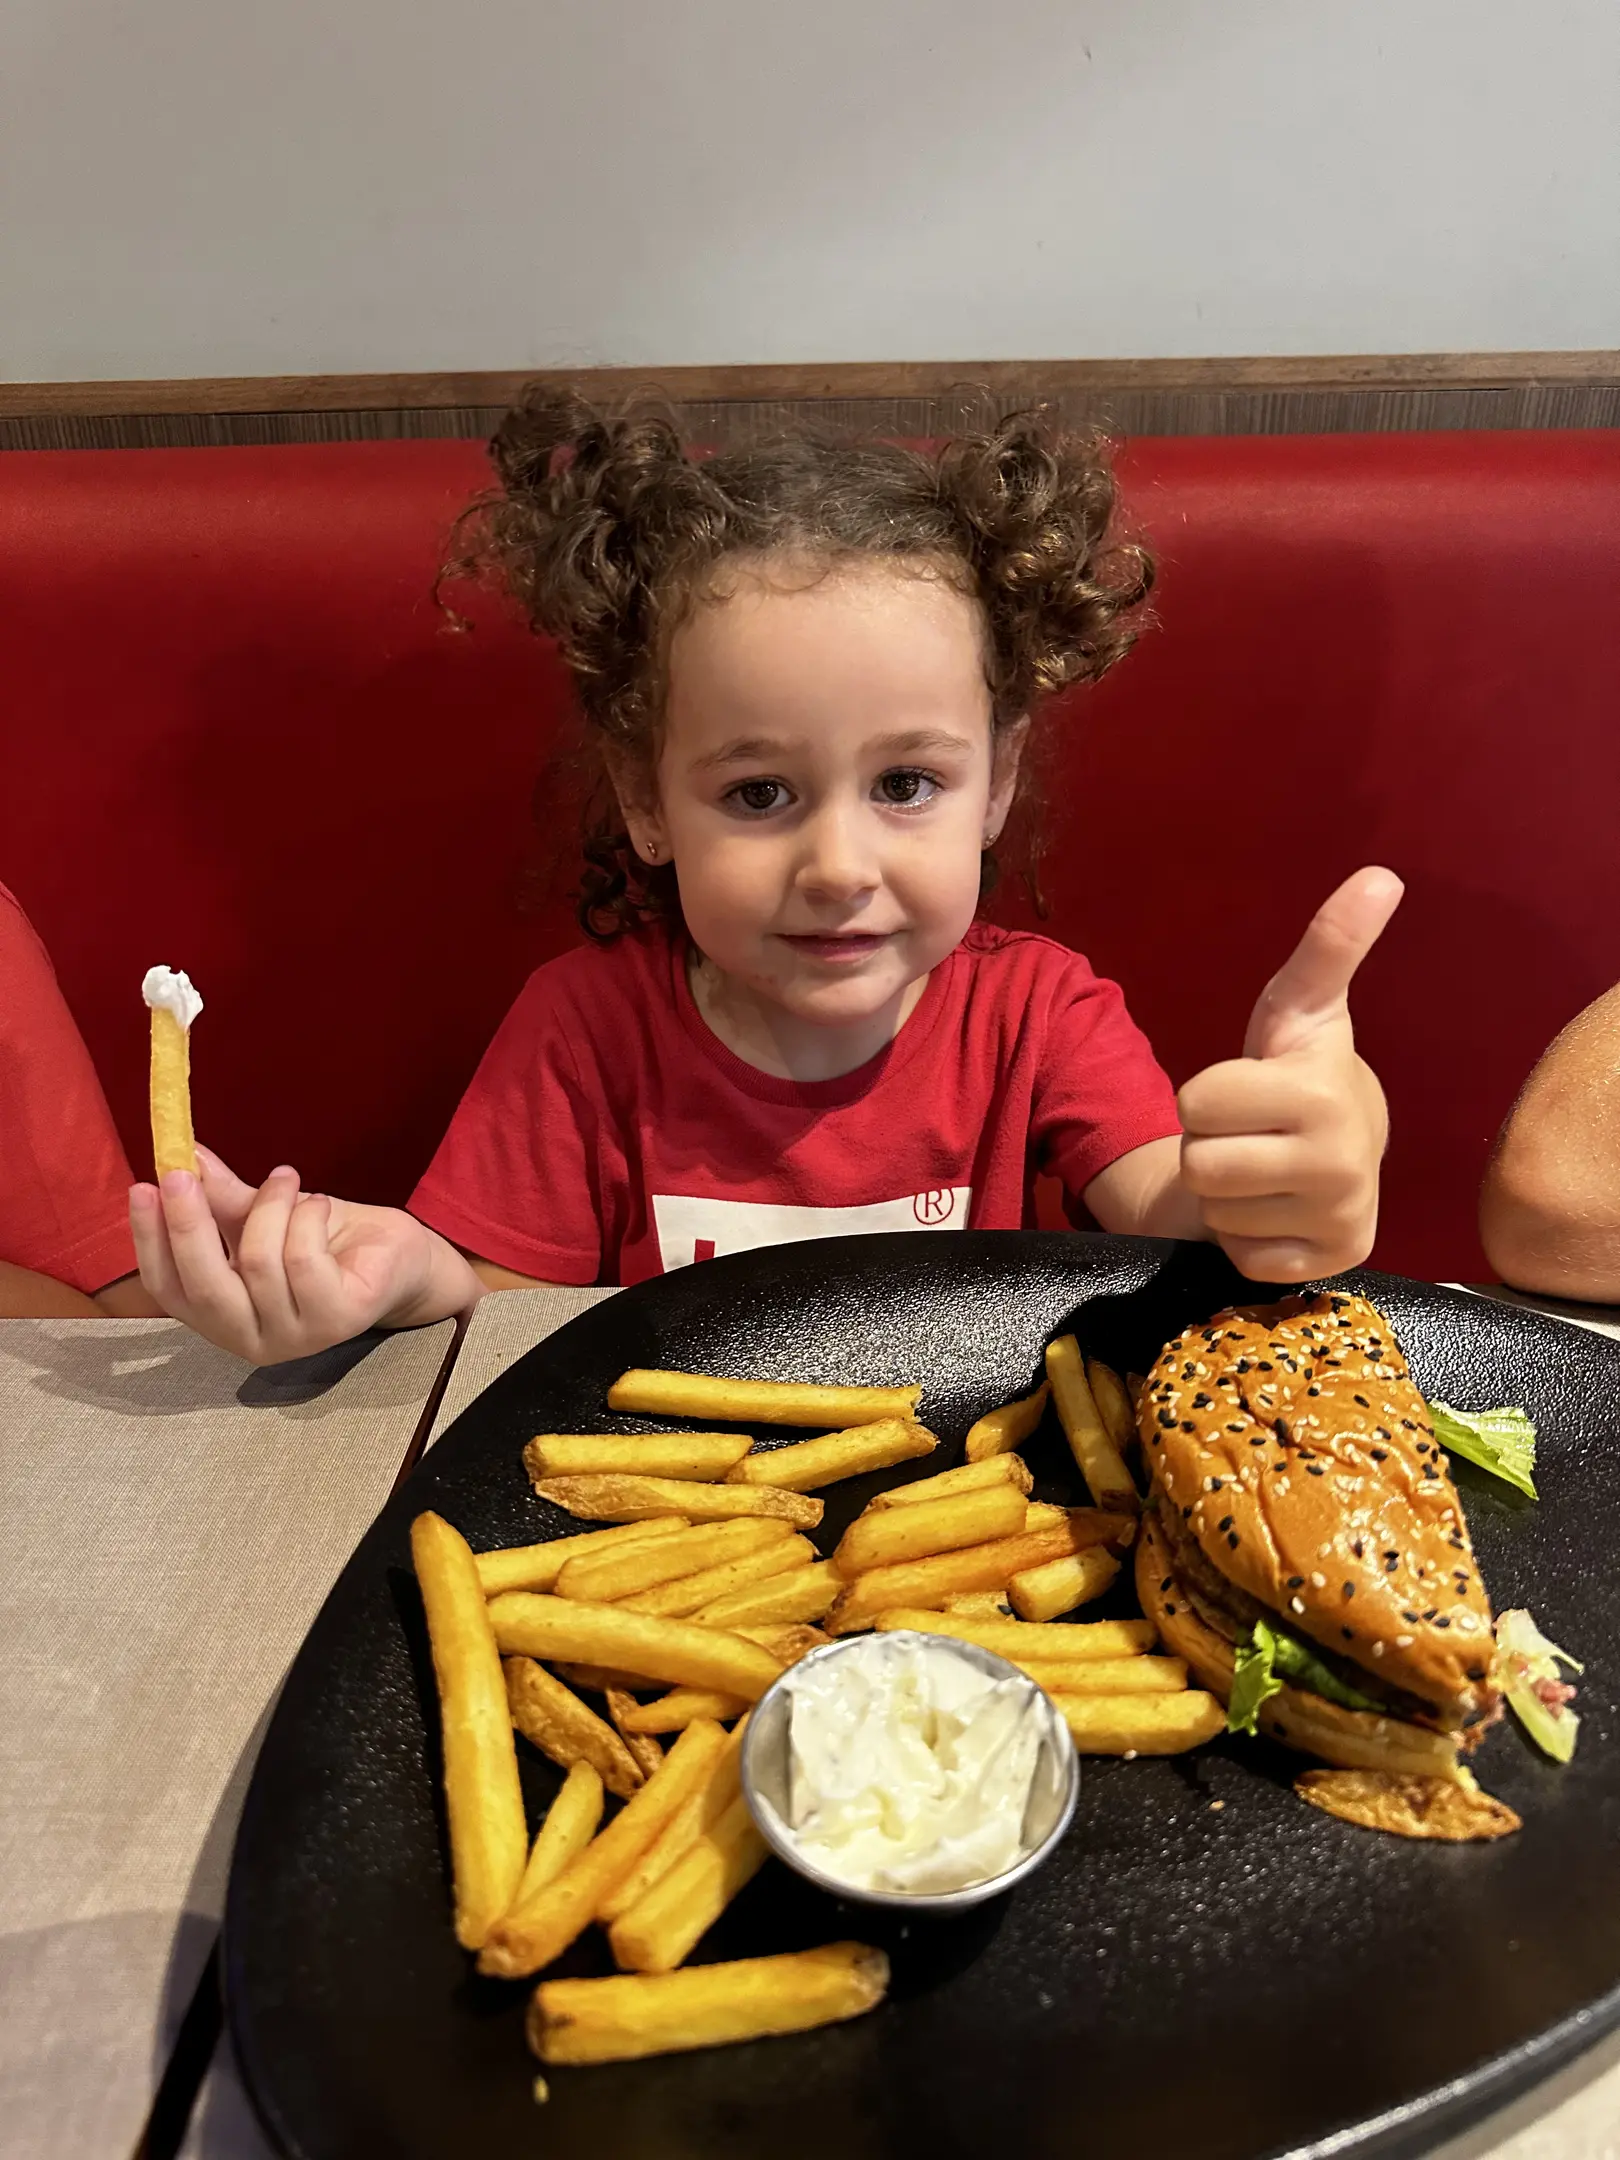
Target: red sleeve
{"type": "Point", "coordinates": [1101, 1092]}
{"type": "Point", "coordinates": [514, 1179]}
{"type": "Point", "coordinates": [64, 1182]}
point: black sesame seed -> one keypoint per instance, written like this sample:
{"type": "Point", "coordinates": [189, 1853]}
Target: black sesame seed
{"type": "Point", "coordinates": [1186, 1514]}
{"type": "Point", "coordinates": [1390, 1560]}
{"type": "Point", "coordinates": [1167, 1418]}
{"type": "Point", "coordinates": [1429, 1615]}
{"type": "Point", "coordinates": [1169, 1610]}
{"type": "Point", "coordinates": [1187, 1425]}
{"type": "Point", "coordinates": [1357, 1548]}
{"type": "Point", "coordinates": [1216, 1483]}
{"type": "Point", "coordinates": [1349, 1590]}
{"type": "Point", "coordinates": [1313, 1470]}
{"type": "Point", "coordinates": [1442, 1622]}
{"type": "Point", "coordinates": [1409, 1616]}
{"type": "Point", "coordinates": [1225, 1523]}
{"type": "Point", "coordinates": [1410, 1424]}
{"type": "Point", "coordinates": [1365, 1404]}
{"type": "Point", "coordinates": [1232, 1539]}
{"type": "Point", "coordinates": [1202, 1401]}
{"type": "Point", "coordinates": [1258, 1439]}
{"type": "Point", "coordinates": [1264, 1365]}
{"type": "Point", "coordinates": [1234, 1428]}
{"type": "Point", "coordinates": [1294, 1581]}
{"type": "Point", "coordinates": [1382, 1432]}
{"type": "Point", "coordinates": [1476, 1672]}
{"type": "Point", "coordinates": [1348, 1633]}
{"type": "Point", "coordinates": [1168, 1580]}
{"type": "Point", "coordinates": [1242, 1365]}
{"type": "Point", "coordinates": [1380, 1454]}
{"type": "Point", "coordinates": [1313, 1389]}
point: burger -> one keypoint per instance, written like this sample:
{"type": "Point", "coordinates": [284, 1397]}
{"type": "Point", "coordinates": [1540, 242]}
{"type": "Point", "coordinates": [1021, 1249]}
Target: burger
{"type": "Point", "coordinates": [1303, 1545]}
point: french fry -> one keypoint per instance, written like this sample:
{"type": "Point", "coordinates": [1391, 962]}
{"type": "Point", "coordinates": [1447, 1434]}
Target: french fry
{"type": "Point", "coordinates": [659, 1932]}
{"type": "Point", "coordinates": [489, 1839]}
{"type": "Point", "coordinates": [805, 1593]}
{"type": "Point", "coordinates": [1113, 1404]}
{"type": "Point", "coordinates": [1019, 1639]}
{"type": "Point", "coordinates": [698, 1813]}
{"type": "Point", "coordinates": [1058, 1587]}
{"type": "Point", "coordinates": [681, 1652]}
{"type": "Point", "coordinates": [540, 1928]}
{"type": "Point", "coordinates": [643, 1748]}
{"type": "Point", "coordinates": [1008, 1427]}
{"type": "Point", "coordinates": [967, 1477]}
{"type": "Point", "coordinates": [892, 1535]}
{"type": "Point", "coordinates": [1100, 1462]}
{"type": "Point", "coordinates": [757, 1402]}
{"type": "Point", "coordinates": [611, 1498]}
{"type": "Point", "coordinates": [980, 1605]}
{"type": "Point", "coordinates": [789, 1643]}
{"type": "Point", "coordinates": [169, 1095]}
{"type": "Point", "coordinates": [1141, 1724]}
{"type": "Point", "coordinates": [602, 1578]}
{"type": "Point", "coordinates": [976, 1567]}
{"type": "Point", "coordinates": [1107, 1676]}
{"type": "Point", "coordinates": [1043, 1514]}
{"type": "Point", "coordinates": [536, 1567]}
{"type": "Point", "coordinates": [688, 1594]}
{"type": "Point", "coordinates": [810, 1463]}
{"type": "Point", "coordinates": [676, 1710]}
{"type": "Point", "coordinates": [552, 1718]}
{"type": "Point", "coordinates": [684, 1455]}
{"type": "Point", "coordinates": [571, 1822]}
{"type": "Point", "coordinates": [597, 1679]}
{"type": "Point", "coordinates": [637, 2014]}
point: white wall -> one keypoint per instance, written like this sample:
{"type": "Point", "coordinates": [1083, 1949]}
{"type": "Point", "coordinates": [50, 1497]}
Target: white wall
{"type": "Point", "coordinates": [197, 187]}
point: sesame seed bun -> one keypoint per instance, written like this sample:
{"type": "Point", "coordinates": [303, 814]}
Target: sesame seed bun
{"type": "Point", "coordinates": [1350, 1739]}
{"type": "Point", "coordinates": [1295, 1464]}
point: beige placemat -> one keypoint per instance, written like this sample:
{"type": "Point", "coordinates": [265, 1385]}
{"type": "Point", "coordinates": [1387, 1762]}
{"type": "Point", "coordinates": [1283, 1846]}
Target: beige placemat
{"type": "Point", "coordinates": [503, 1326]}
{"type": "Point", "coordinates": [173, 1520]}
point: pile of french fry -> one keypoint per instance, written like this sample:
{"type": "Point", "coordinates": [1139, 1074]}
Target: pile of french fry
{"type": "Point", "coordinates": [681, 1614]}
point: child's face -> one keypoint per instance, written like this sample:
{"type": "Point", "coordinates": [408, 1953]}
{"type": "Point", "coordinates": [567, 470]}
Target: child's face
{"type": "Point", "coordinates": [827, 782]}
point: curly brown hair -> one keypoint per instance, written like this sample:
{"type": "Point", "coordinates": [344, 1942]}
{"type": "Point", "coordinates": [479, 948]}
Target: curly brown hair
{"type": "Point", "coordinates": [608, 527]}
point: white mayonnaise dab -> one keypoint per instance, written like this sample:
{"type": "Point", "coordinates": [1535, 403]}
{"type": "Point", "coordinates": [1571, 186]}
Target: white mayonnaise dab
{"type": "Point", "coordinates": [170, 990]}
{"type": "Point", "coordinates": [909, 1769]}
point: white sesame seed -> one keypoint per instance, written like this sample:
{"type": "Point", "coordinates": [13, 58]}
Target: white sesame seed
{"type": "Point", "coordinates": [1468, 1624]}
{"type": "Point", "coordinates": [1296, 1604]}
{"type": "Point", "coordinates": [1377, 1649]}
{"type": "Point", "coordinates": [1130, 1754]}
{"type": "Point", "coordinates": [1318, 1579]}
{"type": "Point", "coordinates": [1403, 1642]}
{"type": "Point", "coordinates": [1322, 1551]}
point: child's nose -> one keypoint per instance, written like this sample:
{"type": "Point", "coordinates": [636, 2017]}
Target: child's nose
{"type": "Point", "coordinates": [838, 861]}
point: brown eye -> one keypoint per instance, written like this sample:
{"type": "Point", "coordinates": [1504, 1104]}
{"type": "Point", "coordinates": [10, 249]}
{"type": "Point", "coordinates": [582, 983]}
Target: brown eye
{"type": "Point", "coordinates": [758, 794]}
{"type": "Point", "coordinates": [905, 786]}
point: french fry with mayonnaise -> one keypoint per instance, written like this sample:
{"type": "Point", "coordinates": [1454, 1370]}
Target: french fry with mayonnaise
{"type": "Point", "coordinates": [927, 1583]}
{"type": "Point", "coordinates": [489, 1838]}
{"type": "Point", "coordinates": [1061, 1585]}
{"type": "Point", "coordinates": [1141, 1724]}
{"type": "Point", "coordinates": [551, 1717]}
{"type": "Point", "coordinates": [571, 1822]}
{"type": "Point", "coordinates": [1098, 1458]}
{"type": "Point", "coordinates": [635, 2014]}
{"type": "Point", "coordinates": [967, 1477]}
{"type": "Point", "coordinates": [643, 1393]}
{"type": "Point", "coordinates": [888, 1536]}
{"type": "Point", "coordinates": [679, 1652]}
{"type": "Point", "coordinates": [806, 1593]}
{"type": "Point", "coordinates": [173, 1004]}
{"type": "Point", "coordinates": [1007, 1428]}
{"type": "Point", "coordinates": [603, 1577]}
{"type": "Point", "coordinates": [699, 1812]}
{"type": "Point", "coordinates": [540, 1928]}
{"type": "Point", "coordinates": [1016, 1640]}
{"type": "Point", "coordinates": [1113, 1404]}
{"type": "Point", "coordinates": [536, 1567]}
{"type": "Point", "coordinates": [608, 1497]}
{"type": "Point", "coordinates": [686, 1456]}
{"type": "Point", "coordinates": [808, 1464]}
{"type": "Point", "coordinates": [688, 1594]}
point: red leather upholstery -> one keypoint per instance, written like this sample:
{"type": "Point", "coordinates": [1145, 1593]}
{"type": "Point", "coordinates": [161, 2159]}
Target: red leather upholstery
{"type": "Point", "coordinates": [237, 737]}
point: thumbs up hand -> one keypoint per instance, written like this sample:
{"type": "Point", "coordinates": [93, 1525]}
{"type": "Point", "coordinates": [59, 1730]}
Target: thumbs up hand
{"type": "Point", "coordinates": [1281, 1146]}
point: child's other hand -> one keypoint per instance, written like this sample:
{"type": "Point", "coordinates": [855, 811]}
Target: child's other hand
{"type": "Point", "coordinates": [279, 1273]}
{"type": "Point", "coordinates": [1281, 1146]}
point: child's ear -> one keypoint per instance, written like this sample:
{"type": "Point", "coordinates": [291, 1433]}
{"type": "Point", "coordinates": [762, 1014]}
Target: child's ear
{"type": "Point", "coordinates": [636, 786]}
{"type": "Point", "coordinates": [1006, 755]}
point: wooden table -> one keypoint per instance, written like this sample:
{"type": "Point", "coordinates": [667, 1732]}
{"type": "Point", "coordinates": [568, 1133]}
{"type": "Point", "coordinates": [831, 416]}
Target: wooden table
{"type": "Point", "coordinates": [194, 1493]}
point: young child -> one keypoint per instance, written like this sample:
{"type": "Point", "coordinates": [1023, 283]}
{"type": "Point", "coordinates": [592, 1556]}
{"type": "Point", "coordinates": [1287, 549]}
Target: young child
{"type": "Point", "coordinates": [811, 670]}
{"type": "Point", "coordinates": [1549, 1209]}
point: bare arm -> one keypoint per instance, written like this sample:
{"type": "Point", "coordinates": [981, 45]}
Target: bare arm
{"type": "Point", "coordinates": [1549, 1209]}
{"type": "Point", "coordinates": [27, 1295]}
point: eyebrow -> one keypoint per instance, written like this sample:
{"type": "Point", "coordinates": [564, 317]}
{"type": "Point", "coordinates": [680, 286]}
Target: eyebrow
{"type": "Point", "coordinates": [907, 742]}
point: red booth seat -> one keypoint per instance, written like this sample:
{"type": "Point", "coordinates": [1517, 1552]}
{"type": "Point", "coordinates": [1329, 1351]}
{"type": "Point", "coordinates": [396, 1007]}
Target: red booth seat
{"type": "Point", "coordinates": [239, 738]}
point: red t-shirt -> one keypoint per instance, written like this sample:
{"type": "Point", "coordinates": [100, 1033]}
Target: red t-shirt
{"type": "Point", "coordinates": [608, 1135]}
{"type": "Point", "coordinates": [64, 1182]}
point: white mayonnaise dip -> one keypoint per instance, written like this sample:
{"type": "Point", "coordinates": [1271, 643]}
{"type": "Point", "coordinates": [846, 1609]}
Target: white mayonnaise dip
{"type": "Point", "coordinates": [170, 990]}
{"type": "Point", "coordinates": [909, 1769]}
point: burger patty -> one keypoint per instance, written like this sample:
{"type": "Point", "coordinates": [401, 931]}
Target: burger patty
{"type": "Point", "coordinates": [1231, 1612]}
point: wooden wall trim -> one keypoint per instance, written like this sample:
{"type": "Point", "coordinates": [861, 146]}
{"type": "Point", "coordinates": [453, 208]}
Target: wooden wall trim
{"type": "Point", "coordinates": [856, 379]}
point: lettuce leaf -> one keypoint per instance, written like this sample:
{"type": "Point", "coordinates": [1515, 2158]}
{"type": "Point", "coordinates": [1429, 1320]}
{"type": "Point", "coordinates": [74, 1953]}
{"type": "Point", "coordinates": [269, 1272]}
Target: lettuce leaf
{"type": "Point", "coordinates": [1269, 1657]}
{"type": "Point", "coordinates": [1525, 1659]}
{"type": "Point", "coordinates": [1501, 1441]}
{"type": "Point", "coordinates": [1253, 1681]}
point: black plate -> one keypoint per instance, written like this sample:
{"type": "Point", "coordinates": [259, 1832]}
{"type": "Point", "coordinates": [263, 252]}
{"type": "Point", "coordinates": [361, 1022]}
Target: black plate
{"type": "Point", "coordinates": [1218, 1982]}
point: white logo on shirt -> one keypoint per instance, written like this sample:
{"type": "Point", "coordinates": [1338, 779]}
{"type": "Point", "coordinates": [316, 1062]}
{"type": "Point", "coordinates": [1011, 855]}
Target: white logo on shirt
{"type": "Point", "coordinates": [692, 1229]}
